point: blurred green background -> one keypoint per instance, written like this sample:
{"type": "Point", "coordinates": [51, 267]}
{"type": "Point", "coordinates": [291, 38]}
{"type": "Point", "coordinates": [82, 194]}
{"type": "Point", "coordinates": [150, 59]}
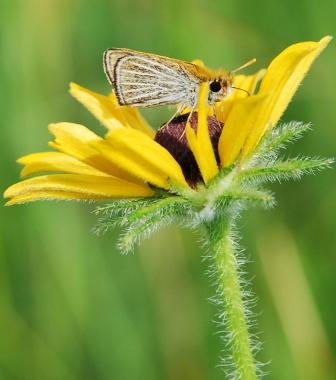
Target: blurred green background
{"type": "Point", "coordinates": [72, 307]}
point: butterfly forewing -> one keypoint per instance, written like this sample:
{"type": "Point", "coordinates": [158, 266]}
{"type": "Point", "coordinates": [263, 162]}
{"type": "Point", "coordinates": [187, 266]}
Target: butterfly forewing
{"type": "Point", "coordinates": [141, 79]}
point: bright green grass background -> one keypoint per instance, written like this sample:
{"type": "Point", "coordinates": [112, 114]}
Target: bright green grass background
{"type": "Point", "coordinates": [72, 307]}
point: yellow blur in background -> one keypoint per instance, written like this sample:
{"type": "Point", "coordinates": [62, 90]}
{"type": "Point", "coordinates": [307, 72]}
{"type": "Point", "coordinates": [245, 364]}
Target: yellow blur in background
{"type": "Point", "coordinates": [72, 307]}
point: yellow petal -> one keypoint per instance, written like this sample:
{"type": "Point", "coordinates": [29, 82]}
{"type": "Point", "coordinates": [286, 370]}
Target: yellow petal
{"type": "Point", "coordinates": [140, 156]}
{"type": "Point", "coordinates": [54, 161]}
{"type": "Point", "coordinates": [244, 82]}
{"type": "Point", "coordinates": [107, 110]}
{"type": "Point", "coordinates": [75, 140]}
{"type": "Point", "coordinates": [281, 81]}
{"type": "Point", "coordinates": [248, 83]}
{"type": "Point", "coordinates": [49, 195]}
{"type": "Point", "coordinates": [88, 186]}
{"type": "Point", "coordinates": [200, 142]}
{"type": "Point", "coordinates": [241, 120]}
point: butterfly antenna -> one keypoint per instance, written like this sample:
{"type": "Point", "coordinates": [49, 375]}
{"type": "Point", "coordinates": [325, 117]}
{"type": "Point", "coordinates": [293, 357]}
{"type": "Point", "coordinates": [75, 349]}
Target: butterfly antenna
{"type": "Point", "coordinates": [249, 63]}
{"type": "Point", "coordinates": [241, 89]}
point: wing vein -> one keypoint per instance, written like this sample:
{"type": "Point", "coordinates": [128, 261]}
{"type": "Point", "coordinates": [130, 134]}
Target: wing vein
{"type": "Point", "coordinates": [161, 74]}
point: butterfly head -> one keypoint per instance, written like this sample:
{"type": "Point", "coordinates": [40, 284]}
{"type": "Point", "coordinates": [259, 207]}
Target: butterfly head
{"type": "Point", "coordinates": [220, 87]}
{"type": "Point", "coordinates": [221, 82]}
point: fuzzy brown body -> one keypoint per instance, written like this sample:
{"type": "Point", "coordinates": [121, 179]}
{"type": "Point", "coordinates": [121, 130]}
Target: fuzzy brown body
{"type": "Point", "coordinates": [145, 80]}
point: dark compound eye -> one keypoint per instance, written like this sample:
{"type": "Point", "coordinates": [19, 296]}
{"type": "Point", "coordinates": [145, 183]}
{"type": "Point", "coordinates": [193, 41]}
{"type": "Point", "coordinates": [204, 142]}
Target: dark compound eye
{"type": "Point", "coordinates": [215, 86]}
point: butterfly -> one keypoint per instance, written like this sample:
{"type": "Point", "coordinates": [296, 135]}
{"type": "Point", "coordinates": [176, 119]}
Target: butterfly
{"type": "Point", "coordinates": [145, 80]}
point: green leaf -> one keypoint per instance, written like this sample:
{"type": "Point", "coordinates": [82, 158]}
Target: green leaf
{"type": "Point", "coordinates": [142, 222]}
{"type": "Point", "coordinates": [113, 213]}
{"type": "Point", "coordinates": [137, 231]}
{"type": "Point", "coordinates": [263, 197]}
{"type": "Point", "coordinates": [278, 137]}
{"type": "Point", "coordinates": [283, 170]}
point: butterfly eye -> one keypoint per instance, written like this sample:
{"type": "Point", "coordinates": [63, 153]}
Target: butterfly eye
{"type": "Point", "coordinates": [215, 86]}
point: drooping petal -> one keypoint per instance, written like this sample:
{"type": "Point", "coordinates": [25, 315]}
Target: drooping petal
{"type": "Point", "coordinates": [107, 110]}
{"type": "Point", "coordinates": [75, 140]}
{"type": "Point", "coordinates": [54, 161]}
{"type": "Point", "coordinates": [68, 185]}
{"type": "Point", "coordinates": [281, 81]}
{"type": "Point", "coordinates": [49, 195]}
{"type": "Point", "coordinates": [200, 142]}
{"type": "Point", "coordinates": [141, 156]}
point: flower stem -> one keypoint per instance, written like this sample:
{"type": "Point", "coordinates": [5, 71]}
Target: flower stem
{"type": "Point", "coordinates": [230, 293]}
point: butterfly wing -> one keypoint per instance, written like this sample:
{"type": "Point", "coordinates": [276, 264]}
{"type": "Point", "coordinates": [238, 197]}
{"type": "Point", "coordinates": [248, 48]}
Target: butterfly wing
{"type": "Point", "coordinates": [146, 80]}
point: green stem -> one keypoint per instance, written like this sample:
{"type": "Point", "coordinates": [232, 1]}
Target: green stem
{"type": "Point", "coordinates": [230, 292]}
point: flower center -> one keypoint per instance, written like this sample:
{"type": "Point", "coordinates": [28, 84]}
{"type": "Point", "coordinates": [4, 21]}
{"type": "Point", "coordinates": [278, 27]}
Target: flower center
{"type": "Point", "coordinates": [172, 137]}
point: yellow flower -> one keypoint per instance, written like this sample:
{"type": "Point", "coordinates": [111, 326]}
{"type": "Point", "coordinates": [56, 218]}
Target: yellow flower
{"type": "Point", "coordinates": [128, 162]}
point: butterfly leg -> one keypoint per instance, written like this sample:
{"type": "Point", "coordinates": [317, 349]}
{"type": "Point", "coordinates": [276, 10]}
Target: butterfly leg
{"type": "Point", "coordinates": [178, 112]}
{"type": "Point", "coordinates": [188, 120]}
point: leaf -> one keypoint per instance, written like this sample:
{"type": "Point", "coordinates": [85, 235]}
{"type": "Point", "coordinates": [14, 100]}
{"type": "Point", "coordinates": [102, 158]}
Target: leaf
{"type": "Point", "coordinates": [141, 223]}
{"type": "Point", "coordinates": [293, 168]}
{"type": "Point", "coordinates": [113, 213]}
{"type": "Point", "coordinates": [278, 137]}
{"type": "Point", "coordinates": [263, 197]}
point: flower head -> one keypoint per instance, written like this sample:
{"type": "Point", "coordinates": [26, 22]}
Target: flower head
{"type": "Point", "coordinates": [130, 162]}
